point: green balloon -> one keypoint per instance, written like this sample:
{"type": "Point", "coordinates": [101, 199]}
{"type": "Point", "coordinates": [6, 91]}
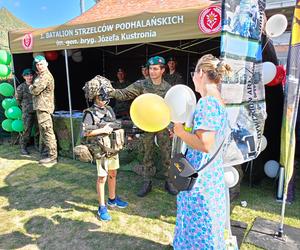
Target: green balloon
{"type": "Point", "coordinates": [17, 125]}
{"type": "Point", "coordinates": [6, 103]}
{"type": "Point", "coordinates": [14, 112]}
{"type": "Point", "coordinates": [4, 71]}
{"type": "Point", "coordinates": [9, 102]}
{"type": "Point", "coordinates": [5, 57]}
{"type": "Point", "coordinates": [14, 102]}
{"type": "Point", "coordinates": [6, 89]}
{"type": "Point", "coordinates": [5, 113]}
{"type": "Point", "coordinates": [7, 125]}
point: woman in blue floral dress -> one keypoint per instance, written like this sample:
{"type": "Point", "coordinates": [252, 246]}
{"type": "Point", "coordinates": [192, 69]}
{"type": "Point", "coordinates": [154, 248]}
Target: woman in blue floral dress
{"type": "Point", "coordinates": [201, 215]}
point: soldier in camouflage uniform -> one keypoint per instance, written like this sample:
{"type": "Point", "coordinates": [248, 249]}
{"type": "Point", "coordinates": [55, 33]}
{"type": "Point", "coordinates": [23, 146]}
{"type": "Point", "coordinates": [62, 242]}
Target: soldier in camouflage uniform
{"type": "Point", "coordinates": [24, 99]}
{"type": "Point", "coordinates": [173, 77]}
{"type": "Point", "coordinates": [42, 91]}
{"type": "Point", "coordinates": [156, 85]}
{"type": "Point", "coordinates": [144, 71]}
{"type": "Point", "coordinates": [121, 109]}
{"type": "Point", "coordinates": [102, 135]}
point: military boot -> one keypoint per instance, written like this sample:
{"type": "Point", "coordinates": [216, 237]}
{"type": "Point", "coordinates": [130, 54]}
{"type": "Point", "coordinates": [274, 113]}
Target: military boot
{"type": "Point", "coordinates": [170, 188]}
{"type": "Point", "coordinates": [145, 189]}
{"type": "Point", "coordinates": [24, 151]}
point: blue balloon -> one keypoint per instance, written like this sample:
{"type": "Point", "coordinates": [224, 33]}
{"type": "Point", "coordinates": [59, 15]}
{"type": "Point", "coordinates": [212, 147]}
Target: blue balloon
{"type": "Point", "coordinates": [271, 168]}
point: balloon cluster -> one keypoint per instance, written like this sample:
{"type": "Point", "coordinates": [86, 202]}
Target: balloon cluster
{"type": "Point", "coordinates": [5, 60]}
{"type": "Point", "coordinates": [153, 113]}
{"type": "Point", "coordinates": [274, 75]}
{"type": "Point", "coordinates": [53, 55]}
{"type": "Point", "coordinates": [12, 112]}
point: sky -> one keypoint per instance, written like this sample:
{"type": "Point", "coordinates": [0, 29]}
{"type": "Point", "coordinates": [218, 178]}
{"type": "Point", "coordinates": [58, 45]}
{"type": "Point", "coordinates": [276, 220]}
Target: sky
{"type": "Point", "coordinates": [45, 13]}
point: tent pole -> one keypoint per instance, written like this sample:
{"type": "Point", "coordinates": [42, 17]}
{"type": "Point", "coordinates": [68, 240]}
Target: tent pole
{"type": "Point", "coordinates": [187, 69]}
{"type": "Point", "coordinates": [103, 63]}
{"type": "Point", "coordinates": [70, 102]}
{"type": "Point", "coordinates": [13, 73]}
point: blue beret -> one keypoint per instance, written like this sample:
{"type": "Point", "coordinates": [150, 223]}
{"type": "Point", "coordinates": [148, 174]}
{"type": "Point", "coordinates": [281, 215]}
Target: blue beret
{"type": "Point", "coordinates": [172, 58]}
{"type": "Point", "coordinates": [39, 58]}
{"type": "Point", "coordinates": [27, 72]}
{"type": "Point", "coordinates": [156, 60]}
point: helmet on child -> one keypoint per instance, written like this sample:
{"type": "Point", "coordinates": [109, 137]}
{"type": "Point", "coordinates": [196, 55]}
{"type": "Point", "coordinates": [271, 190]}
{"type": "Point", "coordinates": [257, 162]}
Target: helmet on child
{"type": "Point", "coordinates": [98, 86]}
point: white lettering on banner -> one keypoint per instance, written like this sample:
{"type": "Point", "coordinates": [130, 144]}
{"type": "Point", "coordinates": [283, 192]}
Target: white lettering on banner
{"type": "Point", "coordinates": [138, 35]}
{"type": "Point", "coordinates": [59, 33]}
{"type": "Point", "coordinates": [137, 24]}
{"type": "Point", "coordinates": [106, 39]}
{"type": "Point", "coordinates": [150, 22]}
{"type": "Point", "coordinates": [112, 38]}
{"type": "Point", "coordinates": [71, 42]}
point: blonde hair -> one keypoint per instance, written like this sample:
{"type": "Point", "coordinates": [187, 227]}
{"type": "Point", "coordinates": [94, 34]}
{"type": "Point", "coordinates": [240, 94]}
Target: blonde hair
{"type": "Point", "coordinates": [213, 67]}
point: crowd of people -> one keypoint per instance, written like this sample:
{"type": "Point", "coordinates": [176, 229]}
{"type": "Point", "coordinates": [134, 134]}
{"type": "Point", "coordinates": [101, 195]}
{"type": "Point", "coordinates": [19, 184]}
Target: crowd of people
{"type": "Point", "coordinates": [200, 218]}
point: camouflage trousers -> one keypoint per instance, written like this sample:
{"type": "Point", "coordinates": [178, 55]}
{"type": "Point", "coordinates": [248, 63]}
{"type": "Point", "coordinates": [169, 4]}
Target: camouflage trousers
{"type": "Point", "coordinates": [47, 136]}
{"type": "Point", "coordinates": [29, 121]}
{"type": "Point", "coordinates": [164, 144]}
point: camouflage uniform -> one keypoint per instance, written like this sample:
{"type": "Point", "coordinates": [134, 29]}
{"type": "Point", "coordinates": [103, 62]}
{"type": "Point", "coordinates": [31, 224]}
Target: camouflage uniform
{"type": "Point", "coordinates": [121, 109]}
{"type": "Point", "coordinates": [174, 79]}
{"type": "Point", "coordinates": [97, 117]}
{"type": "Point", "coordinates": [24, 99]}
{"type": "Point", "coordinates": [42, 91]}
{"type": "Point", "coordinates": [129, 93]}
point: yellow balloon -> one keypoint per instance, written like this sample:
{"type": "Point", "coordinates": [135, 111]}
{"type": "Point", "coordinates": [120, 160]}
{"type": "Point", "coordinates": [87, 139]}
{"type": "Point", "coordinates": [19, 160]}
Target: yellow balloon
{"type": "Point", "coordinates": [150, 112]}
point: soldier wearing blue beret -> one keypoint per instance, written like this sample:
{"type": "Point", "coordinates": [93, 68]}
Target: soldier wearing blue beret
{"type": "Point", "coordinates": [121, 109]}
{"type": "Point", "coordinates": [144, 71]}
{"type": "Point", "coordinates": [157, 85]}
{"type": "Point", "coordinates": [24, 99]}
{"type": "Point", "coordinates": [172, 76]}
{"type": "Point", "coordinates": [42, 91]}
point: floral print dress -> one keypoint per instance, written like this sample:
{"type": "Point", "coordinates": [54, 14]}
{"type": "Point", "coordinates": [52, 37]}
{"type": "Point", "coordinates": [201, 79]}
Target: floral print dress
{"type": "Point", "coordinates": [201, 215]}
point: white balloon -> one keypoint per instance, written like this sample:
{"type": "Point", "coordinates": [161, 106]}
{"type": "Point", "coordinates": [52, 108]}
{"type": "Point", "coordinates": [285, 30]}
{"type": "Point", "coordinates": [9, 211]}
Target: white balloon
{"type": "Point", "coordinates": [231, 176]}
{"type": "Point", "coordinates": [271, 168]}
{"type": "Point", "coordinates": [181, 100]}
{"type": "Point", "coordinates": [264, 143]}
{"type": "Point", "coordinates": [268, 72]}
{"type": "Point", "coordinates": [276, 25]}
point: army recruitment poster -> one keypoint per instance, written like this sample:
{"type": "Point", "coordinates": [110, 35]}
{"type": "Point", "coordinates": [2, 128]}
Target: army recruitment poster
{"type": "Point", "coordinates": [243, 92]}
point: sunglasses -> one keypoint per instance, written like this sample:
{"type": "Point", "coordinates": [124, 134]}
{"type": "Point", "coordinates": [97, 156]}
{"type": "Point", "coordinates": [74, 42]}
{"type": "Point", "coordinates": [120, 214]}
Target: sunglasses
{"type": "Point", "coordinates": [193, 73]}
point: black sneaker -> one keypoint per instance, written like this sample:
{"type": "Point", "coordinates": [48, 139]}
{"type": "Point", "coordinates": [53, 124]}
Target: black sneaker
{"type": "Point", "coordinates": [170, 188]}
{"type": "Point", "coordinates": [146, 188]}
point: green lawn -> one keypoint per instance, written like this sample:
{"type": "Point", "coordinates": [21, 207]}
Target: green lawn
{"type": "Point", "coordinates": [54, 208]}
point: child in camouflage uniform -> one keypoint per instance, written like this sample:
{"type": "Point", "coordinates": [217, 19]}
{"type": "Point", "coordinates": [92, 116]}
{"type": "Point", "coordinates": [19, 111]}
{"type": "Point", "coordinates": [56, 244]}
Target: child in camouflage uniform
{"type": "Point", "coordinates": [98, 123]}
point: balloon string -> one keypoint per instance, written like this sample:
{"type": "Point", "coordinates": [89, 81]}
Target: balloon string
{"type": "Point", "coordinates": [268, 39]}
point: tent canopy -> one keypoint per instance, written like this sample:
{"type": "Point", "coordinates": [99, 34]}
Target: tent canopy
{"type": "Point", "coordinates": [117, 22]}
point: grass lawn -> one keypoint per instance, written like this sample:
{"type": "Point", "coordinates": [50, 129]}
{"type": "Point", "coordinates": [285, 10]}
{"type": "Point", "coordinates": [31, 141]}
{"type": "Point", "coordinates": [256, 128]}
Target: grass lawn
{"type": "Point", "coordinates": [54, 208]}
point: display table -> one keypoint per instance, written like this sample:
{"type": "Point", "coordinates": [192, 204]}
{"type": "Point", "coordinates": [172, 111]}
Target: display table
{"type": "Point", "coordinates": [62, 129]}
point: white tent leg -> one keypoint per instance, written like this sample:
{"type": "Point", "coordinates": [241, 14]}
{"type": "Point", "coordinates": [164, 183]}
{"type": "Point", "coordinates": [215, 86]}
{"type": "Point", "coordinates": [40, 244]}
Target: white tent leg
{"type": "Point", "coordinates": [70, 102]}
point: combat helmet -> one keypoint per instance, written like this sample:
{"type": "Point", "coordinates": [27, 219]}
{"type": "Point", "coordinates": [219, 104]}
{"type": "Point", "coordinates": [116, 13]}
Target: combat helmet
{"type": "Point", "coordinates": [98, 86]}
